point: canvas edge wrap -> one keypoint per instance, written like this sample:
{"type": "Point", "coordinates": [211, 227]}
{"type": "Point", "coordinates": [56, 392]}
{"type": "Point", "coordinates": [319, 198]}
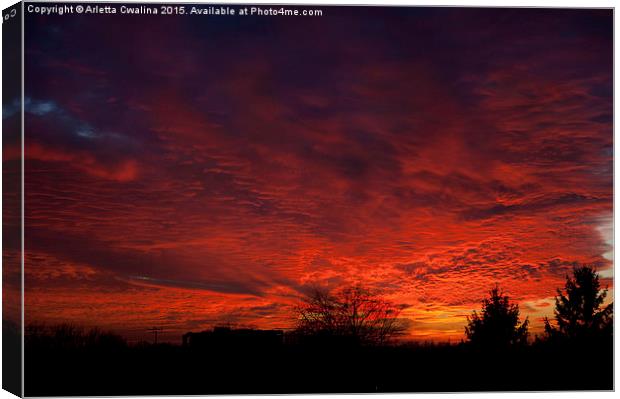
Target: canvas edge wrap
{"type": "Point", "coordinates": [12, 199]}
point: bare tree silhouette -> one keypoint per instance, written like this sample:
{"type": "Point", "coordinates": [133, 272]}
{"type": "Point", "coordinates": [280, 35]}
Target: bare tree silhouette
{"type": "Point", "coordinates": [578, 312]}
{"type": "Point", "coordinates": [353, 313]}
{"type": "Point", "coordinates": [70, 337]}
{"type": "Point", "coordinates": [498, 324]}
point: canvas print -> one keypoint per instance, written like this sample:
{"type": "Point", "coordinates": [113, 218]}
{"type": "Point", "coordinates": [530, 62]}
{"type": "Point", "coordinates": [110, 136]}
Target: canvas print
{"type": "Point", "coordinates": [277, 199]}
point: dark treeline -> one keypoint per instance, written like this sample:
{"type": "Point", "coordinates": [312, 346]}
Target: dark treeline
{"type": "Point", "coordinates": [345, 341]}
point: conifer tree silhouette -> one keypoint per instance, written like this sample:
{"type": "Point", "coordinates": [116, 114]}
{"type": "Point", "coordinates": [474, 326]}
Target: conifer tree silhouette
{"type": "Point", "coordinates": [578, 311]}
{"type": "Point", "coordinates": [498, 325]}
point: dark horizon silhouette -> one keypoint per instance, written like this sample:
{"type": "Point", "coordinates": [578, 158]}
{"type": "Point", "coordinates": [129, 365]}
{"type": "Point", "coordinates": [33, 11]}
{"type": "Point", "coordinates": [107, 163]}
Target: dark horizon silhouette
{"type": "Point", "coordinates": [267, 362]}
{"type": "Point", "coordinates": [341, 344]}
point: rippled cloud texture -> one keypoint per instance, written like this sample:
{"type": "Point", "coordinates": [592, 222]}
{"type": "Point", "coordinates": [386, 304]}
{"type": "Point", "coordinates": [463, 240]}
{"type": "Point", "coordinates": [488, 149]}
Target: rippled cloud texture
{"type": "Point", "coordinates": [187, 171]}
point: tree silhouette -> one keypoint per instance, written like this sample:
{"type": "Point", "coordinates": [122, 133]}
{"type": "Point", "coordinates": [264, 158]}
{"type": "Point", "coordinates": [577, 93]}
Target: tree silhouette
{"type": "Point", "coordinates": [578, 312]}
{"type": "Point", "coordinates": [353, 313]}
{"type": "Point", "coordinates": [498, 325]}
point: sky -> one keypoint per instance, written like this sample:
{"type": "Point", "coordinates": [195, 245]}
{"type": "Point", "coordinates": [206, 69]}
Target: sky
{"type": "Point", "coordinates": [189, 171]}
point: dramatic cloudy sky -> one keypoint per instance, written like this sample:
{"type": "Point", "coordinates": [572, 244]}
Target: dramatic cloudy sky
{"type": "Point", "coordinates": [188, 171]}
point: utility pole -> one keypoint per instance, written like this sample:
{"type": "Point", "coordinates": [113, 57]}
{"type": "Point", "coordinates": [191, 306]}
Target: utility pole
{"type": "Point", "coordinates": [155, 330]}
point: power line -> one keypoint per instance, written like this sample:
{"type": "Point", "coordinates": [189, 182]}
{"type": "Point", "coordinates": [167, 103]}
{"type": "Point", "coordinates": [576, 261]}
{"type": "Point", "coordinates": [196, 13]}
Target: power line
{"type": "Point", "coordinates": [155, 331]}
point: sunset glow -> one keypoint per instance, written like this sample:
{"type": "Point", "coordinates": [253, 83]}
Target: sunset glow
{"type": "Point", "coordinates": [213, 170]}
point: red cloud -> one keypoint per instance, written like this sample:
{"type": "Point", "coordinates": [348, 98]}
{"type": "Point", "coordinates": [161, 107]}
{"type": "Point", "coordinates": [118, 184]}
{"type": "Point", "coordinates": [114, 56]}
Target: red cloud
{"type": "Point", "coordinates": [124, 171]}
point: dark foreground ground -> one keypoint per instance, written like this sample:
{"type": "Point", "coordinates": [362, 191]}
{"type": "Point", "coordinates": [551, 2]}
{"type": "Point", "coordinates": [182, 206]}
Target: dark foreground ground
{"type": "Point", "coordinates": [113, 368]}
